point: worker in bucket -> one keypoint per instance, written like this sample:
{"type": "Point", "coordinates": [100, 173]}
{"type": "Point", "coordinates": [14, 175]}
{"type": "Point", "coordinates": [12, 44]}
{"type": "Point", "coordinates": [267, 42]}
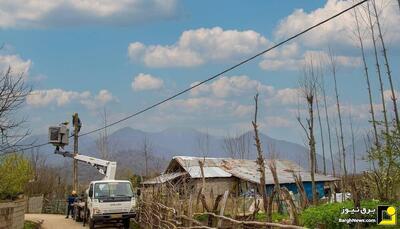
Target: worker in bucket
{"type": "Point", "coordinates": [70, 202]}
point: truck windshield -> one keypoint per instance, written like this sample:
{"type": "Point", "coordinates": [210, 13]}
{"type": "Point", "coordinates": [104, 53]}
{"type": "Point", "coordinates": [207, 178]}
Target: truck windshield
{"type": "Point", "coordinates": [112, 189]}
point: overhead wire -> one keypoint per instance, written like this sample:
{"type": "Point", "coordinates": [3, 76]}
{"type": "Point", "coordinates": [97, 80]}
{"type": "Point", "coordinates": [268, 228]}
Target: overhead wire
{"type": "Point", "coordinates": [214, 76]}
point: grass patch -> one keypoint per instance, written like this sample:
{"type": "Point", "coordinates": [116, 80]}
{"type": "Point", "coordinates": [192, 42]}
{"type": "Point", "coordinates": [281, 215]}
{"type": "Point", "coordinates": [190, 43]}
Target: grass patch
{"type": "Point", "coordinates": [201, 218]}
{"type": "Point", "coordinates": [30, 225]}
{"type": "Point", "coordinates": [276, 217]}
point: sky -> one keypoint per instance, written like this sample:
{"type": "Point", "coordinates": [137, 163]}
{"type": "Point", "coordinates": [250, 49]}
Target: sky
{"type": "Point", "coordinates": [87, 56]}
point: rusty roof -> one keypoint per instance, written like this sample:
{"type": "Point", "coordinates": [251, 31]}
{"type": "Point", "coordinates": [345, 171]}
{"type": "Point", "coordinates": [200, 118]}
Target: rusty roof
{"type": "Point", "coordinates": [245, 169]}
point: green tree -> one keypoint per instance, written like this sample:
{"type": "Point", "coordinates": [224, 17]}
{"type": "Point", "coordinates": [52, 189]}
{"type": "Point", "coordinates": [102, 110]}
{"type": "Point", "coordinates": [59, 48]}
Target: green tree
{"type": "Point", "coordinates": [15, 172]}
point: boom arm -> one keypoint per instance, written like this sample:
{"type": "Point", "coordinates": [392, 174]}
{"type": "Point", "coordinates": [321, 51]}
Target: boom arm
{"type": "Point", "coordinates": [104, 167]}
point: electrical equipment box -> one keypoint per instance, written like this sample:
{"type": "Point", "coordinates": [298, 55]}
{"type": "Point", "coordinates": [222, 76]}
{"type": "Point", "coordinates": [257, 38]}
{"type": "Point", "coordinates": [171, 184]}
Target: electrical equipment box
{"type": "Point", "coordinates": [59, 135]}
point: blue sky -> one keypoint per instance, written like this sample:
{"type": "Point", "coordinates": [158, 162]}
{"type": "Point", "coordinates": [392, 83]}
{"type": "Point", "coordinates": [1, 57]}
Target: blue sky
{"type": "Point", "coordinates": [82, 57]}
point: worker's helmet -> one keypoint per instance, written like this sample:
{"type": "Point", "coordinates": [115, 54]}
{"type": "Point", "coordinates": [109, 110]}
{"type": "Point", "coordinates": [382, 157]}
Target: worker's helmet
{"type": "Point", "coordinates": [73, 192]}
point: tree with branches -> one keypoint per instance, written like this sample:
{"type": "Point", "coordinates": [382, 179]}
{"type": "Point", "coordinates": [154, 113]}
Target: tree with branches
{"type": "Point", "coordinates": [13, 93]}
{"type": "Point", "coordinates": [308, 84]}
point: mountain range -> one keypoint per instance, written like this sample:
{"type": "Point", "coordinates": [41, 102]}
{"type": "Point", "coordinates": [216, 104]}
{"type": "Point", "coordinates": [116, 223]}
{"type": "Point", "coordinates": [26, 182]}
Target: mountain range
{"type": "Point", "coordinates": [126, 147]}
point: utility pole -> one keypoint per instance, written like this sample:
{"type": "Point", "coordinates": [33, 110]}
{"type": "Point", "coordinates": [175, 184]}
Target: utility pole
{"type": "Point", "coordinates": [77, 127]}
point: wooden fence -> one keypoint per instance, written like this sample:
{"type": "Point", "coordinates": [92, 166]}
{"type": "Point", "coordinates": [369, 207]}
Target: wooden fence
{"type": "Point", "coordinates": [156, 215]}
{"type": "Point", "coordinates": [12, 214]}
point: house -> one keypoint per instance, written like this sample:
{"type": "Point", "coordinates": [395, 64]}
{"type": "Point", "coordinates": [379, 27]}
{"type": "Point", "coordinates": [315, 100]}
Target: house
{"type": "Point", "coordinates": [240, 177]}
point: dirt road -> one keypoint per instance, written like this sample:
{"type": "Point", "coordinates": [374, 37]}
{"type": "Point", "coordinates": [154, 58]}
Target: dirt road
{"type": "Point", "coordinates": [51, 221]}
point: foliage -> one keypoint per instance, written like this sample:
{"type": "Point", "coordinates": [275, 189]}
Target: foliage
{"type": "Point", "coordinates": [329, 214]}
{"type": "Point", "coordinates": [201, 218]}
{"type": "Point", "coordinates": [15, 173]}
{"type": "Point", "coordinates": [387, 160]}
{"type": "Point", "coordinates": [276, 217]}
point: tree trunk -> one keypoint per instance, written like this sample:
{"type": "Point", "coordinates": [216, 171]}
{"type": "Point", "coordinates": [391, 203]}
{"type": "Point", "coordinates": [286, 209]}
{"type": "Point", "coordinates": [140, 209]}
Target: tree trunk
{"type": "Point", "coordinates": [321, 131]}
{"type": "Point", "coordinates": [260, 158]}
{"type": "Point", "coordinates": [360, 40]}
{"type": "Point", "coordinates": [328, 126]}
{"type": "Point", "coordinates": [333, 69]}
{"type": "Point", "coordinates": [389, 73]}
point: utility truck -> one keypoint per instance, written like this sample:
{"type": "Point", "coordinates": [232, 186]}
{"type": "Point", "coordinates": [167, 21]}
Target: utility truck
{"type": "Point", "coordinates": [105, 201]}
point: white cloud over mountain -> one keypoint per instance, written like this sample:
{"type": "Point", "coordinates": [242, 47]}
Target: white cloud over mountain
{"type": "Point", "coordinates": [199, 46]}
{"type": "Point", "coordinates": [44, 13]}
{"type": "Point", "coordinates": [143, 82]}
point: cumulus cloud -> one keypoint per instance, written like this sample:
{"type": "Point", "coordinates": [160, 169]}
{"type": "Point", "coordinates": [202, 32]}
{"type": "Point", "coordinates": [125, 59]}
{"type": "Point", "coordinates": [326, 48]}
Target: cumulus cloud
{"type": "Point", "coordinates": [60, 97]}
{"type": "Point", "coordinates": [233, 85]}
{"type": "Point", "coordinates": [44, 13]}
{"type": "Point", "coordinates": [338, 31]}
{"type": "Point", "coordinates": [144, 82]}
{"type": "Point", "coordinates": [294, 62]}
{"type": "Point", "coordinates": [16, 63]}
{"type": "Point", "coordinates": [196, 47]}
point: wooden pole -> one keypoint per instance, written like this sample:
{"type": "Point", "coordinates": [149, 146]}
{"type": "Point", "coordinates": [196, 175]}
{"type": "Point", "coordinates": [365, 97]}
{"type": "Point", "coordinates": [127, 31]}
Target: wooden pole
{"type": "Point", "coordinates": [75, 119]}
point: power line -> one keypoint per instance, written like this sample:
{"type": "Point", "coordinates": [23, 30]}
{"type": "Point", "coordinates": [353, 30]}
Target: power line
{"type": "Point", "coordinates": [216, 75]}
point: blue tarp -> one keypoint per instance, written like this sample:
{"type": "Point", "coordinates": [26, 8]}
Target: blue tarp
{"type": "Point", "coordinates": [307, 187]}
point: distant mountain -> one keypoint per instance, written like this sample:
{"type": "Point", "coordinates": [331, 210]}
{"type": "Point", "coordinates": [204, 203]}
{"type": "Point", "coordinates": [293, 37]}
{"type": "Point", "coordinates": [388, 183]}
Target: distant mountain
{"type": "Point", "coordinates": [126, 147]}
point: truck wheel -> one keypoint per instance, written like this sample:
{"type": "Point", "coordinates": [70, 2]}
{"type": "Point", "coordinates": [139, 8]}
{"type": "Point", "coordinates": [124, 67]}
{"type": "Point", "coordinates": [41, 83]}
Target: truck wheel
{"type": "Point", "coordinates": [126, 223]}
{"type": "Point", "coordinates": [91, 223]}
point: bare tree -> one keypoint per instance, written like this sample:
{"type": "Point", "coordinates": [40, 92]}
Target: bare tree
{"type": "Point", "coordinates": [328, 124]}
{"type": "Point", "coordinates": [389, 73]}
{"type": "Point", "coordinates": [361, 43]}
{"type": "Point", "coordinates": [13, 92]}
{"type": "Point", "coordinates": [320, 130]}
{"type": "Point", "coordinates": [260, 156]}
{"type": "Point", "coordinates": [308, 84]}
{"type": "Point", "coordinates": [378, 68]}
{"type": "Point", "coordinates": [339, 149]}
{"type": "Point", "coordinates": [237, 146]}
{"type": "Point", "coordinates": [333, 68]}
{"type": "Point", "coordinates": [102, 142]}
{"type": "Point", "coordinates": [353, 143]}
{"type": "Point", "coordinates": [146, 149]}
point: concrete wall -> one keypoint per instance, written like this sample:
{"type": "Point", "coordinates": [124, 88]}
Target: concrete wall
{"type": "Point", "coordinates": [12, 214]}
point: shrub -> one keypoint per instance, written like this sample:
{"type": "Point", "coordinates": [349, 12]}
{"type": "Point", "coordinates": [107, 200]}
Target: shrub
{"type": "Point", "coordinates": [329, 214]}
{"type": "Point", "coordinates": [15, 173]}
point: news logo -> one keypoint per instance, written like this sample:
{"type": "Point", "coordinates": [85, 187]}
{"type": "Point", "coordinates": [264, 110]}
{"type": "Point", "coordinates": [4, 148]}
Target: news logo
{"type": "Point", "coordinates": [386, 215]}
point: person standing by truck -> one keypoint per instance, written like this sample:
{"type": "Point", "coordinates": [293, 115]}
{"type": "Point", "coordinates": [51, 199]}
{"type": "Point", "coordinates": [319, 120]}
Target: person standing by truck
{"type": "Point", "coordinates": [70, 201]}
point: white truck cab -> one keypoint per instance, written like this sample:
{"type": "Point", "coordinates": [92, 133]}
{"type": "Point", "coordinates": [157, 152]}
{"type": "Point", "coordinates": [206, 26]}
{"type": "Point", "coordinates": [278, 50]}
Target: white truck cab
{"type": "Point", "coordinates": [110, 201]}
{"type": "Point", "coordinates": [107, 200]}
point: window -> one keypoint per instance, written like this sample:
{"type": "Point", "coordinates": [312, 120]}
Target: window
{"type": "Point", "coordinates": [112, 189]}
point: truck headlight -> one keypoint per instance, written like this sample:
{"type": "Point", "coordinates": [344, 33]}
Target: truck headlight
{"type": "Point", "coordinates": [96, 211]}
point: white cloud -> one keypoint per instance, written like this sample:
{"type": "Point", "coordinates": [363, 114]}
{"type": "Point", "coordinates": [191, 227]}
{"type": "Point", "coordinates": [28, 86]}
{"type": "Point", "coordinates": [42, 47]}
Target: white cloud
{"type": "Point", "coordinates": [243, 110]}
{"type": "Point", "coordinates": [196, 47]}
{"type": "Point", "coordinates": [144, 82]}
{"type": "Point", "coordinates": [293, 62]}
{"type": "Point", "coordinates": [43, 13]}
{"type": "Point", "coordinates": [233, 85]}
{"type": "Point", "coordinates": [286, 96]}
{"type": "Point", "coordinates": [191, 105]}
{"type": "Point", "coordinates": [60, 97]}
{"type": "Point", "coordinates": [338, 31]}
{"type": "Point", "coordinates": [17, 64]}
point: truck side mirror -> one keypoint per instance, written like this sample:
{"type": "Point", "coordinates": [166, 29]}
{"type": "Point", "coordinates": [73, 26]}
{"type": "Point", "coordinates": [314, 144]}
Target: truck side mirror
{"type": "Point", "coordinates": [90, 193]}
{"type": "Point", "coordinates": [138, 192]}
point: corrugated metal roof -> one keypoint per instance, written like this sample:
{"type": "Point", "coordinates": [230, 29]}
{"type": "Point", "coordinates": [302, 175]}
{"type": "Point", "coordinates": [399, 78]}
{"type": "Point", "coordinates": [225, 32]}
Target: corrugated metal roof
{"type": "Point", "coordinates": [245, 169]}
{"type": "Point", "coordinates": [164, 178]}
{"type": "Point", "coordinates": [209, 172]}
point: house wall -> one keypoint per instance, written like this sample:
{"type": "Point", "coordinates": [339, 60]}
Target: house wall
{"type": "Point", "coordinates": [217, 185]}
